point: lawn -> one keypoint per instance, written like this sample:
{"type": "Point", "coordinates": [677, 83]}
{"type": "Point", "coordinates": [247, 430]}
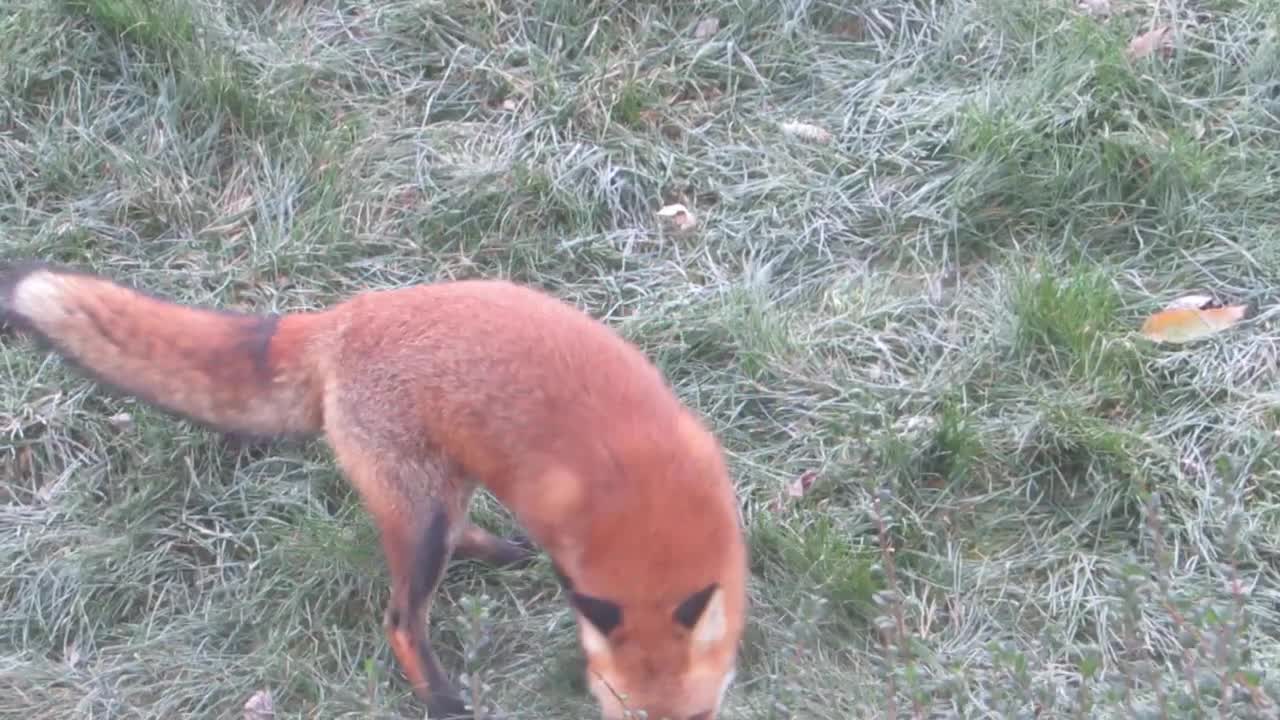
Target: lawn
{"type": "Point", "coordinates": [921, 239]}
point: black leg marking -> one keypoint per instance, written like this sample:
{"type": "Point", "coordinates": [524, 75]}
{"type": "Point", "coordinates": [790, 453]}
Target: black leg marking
{"type": "Point", "coordinates": [510, 555]}
{"type": "Point", "coordinates": [476, 543]}
{"type": "Point", "coordinates": [524, 542]}
{"type": "Point", "coordinates": [445, 701]}
{"type": "Point", "coordinates": [430, 558]}
{"type": "Point", "coordinates": [429, 561]}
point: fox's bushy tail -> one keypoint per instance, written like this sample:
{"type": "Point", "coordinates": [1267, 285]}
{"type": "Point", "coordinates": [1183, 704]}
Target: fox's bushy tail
{"type": "Point", "coordinates": [250, 374]}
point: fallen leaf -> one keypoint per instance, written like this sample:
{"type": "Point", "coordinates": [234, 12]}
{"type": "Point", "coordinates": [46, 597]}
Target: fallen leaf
{"type": "Point", "coordinates": [706, 28]}
{"type": "Point", "coordinates": [680, 216]}
{"type": "Point", "coordinates": [806, 131]}
{"type": "Point", "coordinates": [800, 486]}
{"type": "Point", "coordinates": [121, 421]}
{"type": "Point", "coordinates": [1149, 42]}
{"type": "Point", "coordinates": [259, 706]}
{"type": "Point", "coordinates": [1185, 324]}
{"type": "Point", "coordinates": [23, 462]}
{"type": "Point", "coordinates": [850, 27]}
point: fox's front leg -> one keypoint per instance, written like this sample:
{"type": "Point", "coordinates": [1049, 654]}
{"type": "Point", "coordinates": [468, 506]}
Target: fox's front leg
{"type": "Point", "coordinates": [416, 558]}
{"type": "Point", "coordinates": [413, 506]}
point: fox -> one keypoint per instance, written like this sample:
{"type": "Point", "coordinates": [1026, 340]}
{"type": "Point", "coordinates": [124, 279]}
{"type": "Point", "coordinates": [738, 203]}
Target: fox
{"type": "Point", "coordinates": [427, 392]}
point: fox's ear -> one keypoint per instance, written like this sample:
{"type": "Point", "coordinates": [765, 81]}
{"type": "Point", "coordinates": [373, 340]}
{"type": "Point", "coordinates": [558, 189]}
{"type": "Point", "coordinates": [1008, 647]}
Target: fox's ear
{"type": "Point", "coordinates": [601, 618]}
{"type": "Point", "coordinates": [602, 614]}
{"type": "Point", "coordinates": [703, 613]}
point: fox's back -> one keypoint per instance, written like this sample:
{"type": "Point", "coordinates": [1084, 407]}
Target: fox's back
{"type": "Point", "coordinates": [498, 357]}
{"type": "Point", "coordinates": [493, 365]}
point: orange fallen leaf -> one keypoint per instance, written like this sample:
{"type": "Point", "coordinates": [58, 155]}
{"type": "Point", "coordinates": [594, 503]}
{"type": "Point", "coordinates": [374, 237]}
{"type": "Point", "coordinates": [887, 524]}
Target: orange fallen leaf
{"type": "Point", "coordinates": [1149, 42]}
{"type": "Point", "coordinates": [1185, 324]}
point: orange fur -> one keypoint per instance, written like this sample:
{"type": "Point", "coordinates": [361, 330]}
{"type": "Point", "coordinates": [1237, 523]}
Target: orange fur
{"type": "Point", "coordinates": [425, 393]}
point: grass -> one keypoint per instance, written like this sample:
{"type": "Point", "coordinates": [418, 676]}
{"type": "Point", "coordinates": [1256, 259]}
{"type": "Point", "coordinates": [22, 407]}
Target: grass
{"type": "Point", "coordinates": [1021, 509]}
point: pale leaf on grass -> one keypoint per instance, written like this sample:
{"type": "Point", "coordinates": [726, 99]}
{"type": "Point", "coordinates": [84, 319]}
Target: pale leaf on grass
{"type": "Point", "coordinates": [706, 28]}
{"type": "Point", "coordinates": [679, 216]}
{"type": "Point", "coordinates": [806, 131]}
{"type": "Point", "coordinates": [794, 490]}
{"type": "Point", "coordinates": [800, 486]}
{"type": "Point", "coordinates": [259, 706]}
{"type": "Point", "coordinates": [1160, 39]}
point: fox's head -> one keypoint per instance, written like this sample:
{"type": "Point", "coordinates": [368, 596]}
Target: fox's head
{"type": "Point", "coordinates": [657, 571]}
{"type": "Point", "coordinates": [674, 660]}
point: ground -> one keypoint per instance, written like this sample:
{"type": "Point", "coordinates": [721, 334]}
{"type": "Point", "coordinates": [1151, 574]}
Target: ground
{"type": "Point", "coordinates": [971, 488]}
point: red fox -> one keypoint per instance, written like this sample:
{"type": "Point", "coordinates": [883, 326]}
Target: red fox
{"type": "Point", "coordinates": [426, 392]}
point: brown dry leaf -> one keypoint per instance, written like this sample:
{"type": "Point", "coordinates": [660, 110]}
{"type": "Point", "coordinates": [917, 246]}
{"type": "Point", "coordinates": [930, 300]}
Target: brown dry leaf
{"type": "Point", "coordinates": [1160, 39]}
{"type": "Point", "coordinates": [706, 28]}
{"type": "Point", "coordinates": [679, 215]}
{"type": "Point", "coordinates": [852, 28]}
{"type": "Point", "coordinates": [259, 706]}
{"type": "Point", "coordinates": [800, 486]}
{"type": "Point", "coordinates": [806, 131]}
{"type": "Point", "coordinates": [1191, 317]}
{"type": "Point", "coordinates": [23, 463]}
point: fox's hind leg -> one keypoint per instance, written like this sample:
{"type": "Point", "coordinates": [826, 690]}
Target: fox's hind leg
{"type": "Point", "coordinates": [476, 543]}
{"type": "Point", "coordinates": [418, 514]}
